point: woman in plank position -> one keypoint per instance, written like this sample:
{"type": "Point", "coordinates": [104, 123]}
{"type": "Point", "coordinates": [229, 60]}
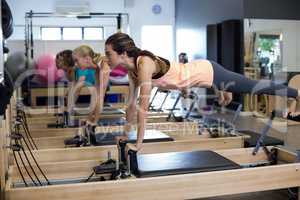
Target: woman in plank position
{"type": "Point", "coordinates": [147, 70]}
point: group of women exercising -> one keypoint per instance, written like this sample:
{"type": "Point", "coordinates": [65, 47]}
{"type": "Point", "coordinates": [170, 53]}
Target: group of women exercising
{"type": "Point", "coordinates": [146, 70]}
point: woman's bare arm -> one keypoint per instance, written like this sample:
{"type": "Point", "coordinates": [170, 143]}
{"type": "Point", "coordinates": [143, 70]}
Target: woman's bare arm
{"type": "Point", "coordinates": [74, 92]}
{"type": "Point", "coordinates": [101, 86]}
{"type": "Point", "coordinates": [131, 108]}
{"type": "Point", "coordinates": [146, 68]}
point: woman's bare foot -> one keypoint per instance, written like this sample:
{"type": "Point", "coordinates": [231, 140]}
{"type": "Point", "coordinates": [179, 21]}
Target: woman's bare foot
{"type": "Point", "coordinates": [297, 104]}
{"type": "Point", "coordinates": [294, 108]}
{"type": "Point", "coordinates": [224, 98]}
{"type": "Point", "coordinates": [294, 114]}
{"type": "Point", "coordinates": [227, 98]}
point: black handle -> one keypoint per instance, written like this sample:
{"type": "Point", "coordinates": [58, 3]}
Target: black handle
{"type": "Point", "coordinates": [122, 151]}
{"type": "Point", "coordinates": [133, 166]}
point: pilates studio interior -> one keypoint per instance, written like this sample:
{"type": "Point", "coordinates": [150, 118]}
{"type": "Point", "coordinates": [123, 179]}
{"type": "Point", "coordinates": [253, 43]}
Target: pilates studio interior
{"type": "Point", "coordinates": [213, 115]}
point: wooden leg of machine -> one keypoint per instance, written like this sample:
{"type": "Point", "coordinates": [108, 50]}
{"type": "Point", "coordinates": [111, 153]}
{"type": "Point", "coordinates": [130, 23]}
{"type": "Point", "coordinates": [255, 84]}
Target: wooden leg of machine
{"type": "Point", "coordinates": [2, 169]}
{"type": "Point", "coordinates": [4, 130]}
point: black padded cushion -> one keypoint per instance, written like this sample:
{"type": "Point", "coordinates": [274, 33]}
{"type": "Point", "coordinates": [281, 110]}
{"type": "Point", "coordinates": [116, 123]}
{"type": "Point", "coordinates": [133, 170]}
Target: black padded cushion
{"type": "Point", "coordinates": [251, 142]}
{"type": "Point", "coordinates": [163, 164]}
{"type": "Point", "coordinates": [100, 139]}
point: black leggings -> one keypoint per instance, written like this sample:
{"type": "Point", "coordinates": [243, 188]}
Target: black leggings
{"type": "Point", "coordinates": [237, 83]}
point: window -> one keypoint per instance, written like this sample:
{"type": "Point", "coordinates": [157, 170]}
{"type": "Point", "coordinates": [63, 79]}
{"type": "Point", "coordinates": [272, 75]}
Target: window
{"type": "Point", "coordinates": [51, 33]}
{"type": "Point", "coordinates": [159, 40]}
{"type": "Point", "coordinates": [93, 33]}
{"type": "Point", "coordinates": [72, 33]}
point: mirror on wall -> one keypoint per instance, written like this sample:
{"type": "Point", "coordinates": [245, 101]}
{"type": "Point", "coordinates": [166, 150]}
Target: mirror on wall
{"type": "Point", "coordinates": [271, 46]}
{"type": "Point", "coordinates": [272, 51]}
{"type": "Point", "coordinates": [267, 52]}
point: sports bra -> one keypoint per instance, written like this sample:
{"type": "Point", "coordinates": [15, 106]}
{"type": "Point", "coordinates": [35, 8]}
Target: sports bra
{"type": "Point", "coordinates": [162, 63]}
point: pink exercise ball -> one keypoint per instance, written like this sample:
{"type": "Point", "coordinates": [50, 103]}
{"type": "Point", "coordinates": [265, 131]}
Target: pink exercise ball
{"type": "Point", "coordinates": [47, 70]}
{"type": "Point", "coordinates": [48, 75]}
{"type": "Point", "coordinates": [45, 61]}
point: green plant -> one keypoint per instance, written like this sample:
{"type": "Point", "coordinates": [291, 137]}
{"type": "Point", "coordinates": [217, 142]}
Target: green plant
{"type": "Point", "coordinates": [266, 44]}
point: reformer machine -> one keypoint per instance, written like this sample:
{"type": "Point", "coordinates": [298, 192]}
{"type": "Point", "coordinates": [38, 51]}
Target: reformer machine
{"type": "Point", "coordinates": [135, 167]}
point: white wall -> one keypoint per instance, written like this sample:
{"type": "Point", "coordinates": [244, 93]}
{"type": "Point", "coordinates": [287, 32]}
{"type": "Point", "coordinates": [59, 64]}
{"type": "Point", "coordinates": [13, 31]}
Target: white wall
{"type": "Point", "coordinates": [191, 41]}
{"type": "Point", "coordinates": [298, 45]}
{"type": "Point", "coordinates": [290, 30]}
{"type": "Point", "coordinates": [140, 13]}
{"type": "Point", "coordinates": [192, 17]}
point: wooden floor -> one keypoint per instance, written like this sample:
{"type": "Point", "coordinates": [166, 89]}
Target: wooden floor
{"type": "Point", "coordinates": [268, 195]}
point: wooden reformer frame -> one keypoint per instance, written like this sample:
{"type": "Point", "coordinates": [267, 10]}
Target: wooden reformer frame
{"type": "Point", "coordinates": [286, 174]}
{"type": "Point", "coordinates": [187, 186]}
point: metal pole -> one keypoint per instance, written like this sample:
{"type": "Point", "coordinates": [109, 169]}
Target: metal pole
{"type": "Point", "coordinates": [26, 36]}
{"type": "Point", "coordinates": [119, 22]}
{"type": "Point", "coordinates": [31, 35]}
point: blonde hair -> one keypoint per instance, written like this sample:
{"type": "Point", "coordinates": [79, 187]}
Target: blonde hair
{"type": "Point", "coordinates": [85, 50]}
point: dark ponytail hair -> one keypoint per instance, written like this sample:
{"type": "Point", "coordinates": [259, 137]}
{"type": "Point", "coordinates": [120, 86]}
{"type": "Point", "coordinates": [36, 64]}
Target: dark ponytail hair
{"type": "Point", "coordinates": [121, 42]}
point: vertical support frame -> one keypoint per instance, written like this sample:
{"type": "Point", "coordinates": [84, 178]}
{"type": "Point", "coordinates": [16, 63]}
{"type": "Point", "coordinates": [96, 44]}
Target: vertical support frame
{"type": "Point", "coordinates": [1, 49]}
